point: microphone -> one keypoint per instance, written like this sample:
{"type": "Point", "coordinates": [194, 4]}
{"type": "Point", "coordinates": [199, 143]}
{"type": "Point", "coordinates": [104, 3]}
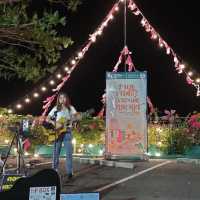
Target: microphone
{"type": "Point", "coordinates": [54, 115]}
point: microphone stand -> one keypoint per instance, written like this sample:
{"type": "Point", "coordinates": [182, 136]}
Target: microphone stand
{"type": "Point", "coordinates": [54, 148]}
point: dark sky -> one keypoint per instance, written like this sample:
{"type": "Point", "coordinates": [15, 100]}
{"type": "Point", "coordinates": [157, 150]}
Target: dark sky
{"type": "Point", "coordinates": [175, 20]}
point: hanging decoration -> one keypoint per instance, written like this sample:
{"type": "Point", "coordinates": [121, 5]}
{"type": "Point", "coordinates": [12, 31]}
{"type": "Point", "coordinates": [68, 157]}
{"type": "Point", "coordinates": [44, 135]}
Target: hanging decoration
{"type": "Point", "coordinates": [154, 35]}
{"type": "Point", "coordinates": [125, 54]}
{"type": "Point", "coordinates": [73, 61]}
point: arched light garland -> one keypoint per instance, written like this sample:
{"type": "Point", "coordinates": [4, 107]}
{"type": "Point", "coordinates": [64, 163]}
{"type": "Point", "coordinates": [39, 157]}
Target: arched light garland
{"type": "Point", "coordinates": [67, 68]}
{"type": "Point", "coordinates": [179, 66]}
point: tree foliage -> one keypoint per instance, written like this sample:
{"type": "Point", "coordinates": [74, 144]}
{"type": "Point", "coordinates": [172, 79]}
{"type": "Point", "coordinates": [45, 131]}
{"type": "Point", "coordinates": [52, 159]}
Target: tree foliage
{"type": "Point", "coordinates": [30, 43]}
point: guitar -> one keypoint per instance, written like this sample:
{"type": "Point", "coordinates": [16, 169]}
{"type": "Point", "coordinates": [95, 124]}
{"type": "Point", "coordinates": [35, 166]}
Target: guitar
{"type": "Point", "coordinates": [62, 125]}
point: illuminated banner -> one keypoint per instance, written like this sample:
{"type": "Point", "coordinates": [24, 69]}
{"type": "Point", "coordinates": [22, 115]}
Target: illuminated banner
{"type": "Point", "coordinates": [126, 122]}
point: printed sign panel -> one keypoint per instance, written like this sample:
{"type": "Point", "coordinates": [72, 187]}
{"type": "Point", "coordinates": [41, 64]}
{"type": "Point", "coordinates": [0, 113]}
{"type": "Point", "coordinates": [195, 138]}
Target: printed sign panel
{"type": "Point", "coordinates": [42, 193]}
{"type": "Point", "coordinates": [126, 121]}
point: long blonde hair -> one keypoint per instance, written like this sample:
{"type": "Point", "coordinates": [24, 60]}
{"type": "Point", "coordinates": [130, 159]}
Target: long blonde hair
{"type": "Point", "coordinates": [67, 103]}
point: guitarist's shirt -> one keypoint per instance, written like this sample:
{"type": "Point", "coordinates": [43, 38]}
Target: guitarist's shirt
{"type": "Point", "coordinates": [63, 114]}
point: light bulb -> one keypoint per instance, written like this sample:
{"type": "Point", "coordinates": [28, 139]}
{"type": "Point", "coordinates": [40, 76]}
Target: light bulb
{"type": "Point", "coordinates": [73, 62]}
{"type": "Point", "coordinates": [36, 95]}
{"type": "Point", "coordinates": [43, 89]}
{"type": "Point", "coordinates": [198, 80]}
{"type": "Point", "coordinates": [10, 111]}
{"type": "Point", "coordinates": [27, 100]}
{"type": "Point", "coordinates": [66, 69]}
{"type": "Point", "coordinates": [58, 76]}
{"type": "Point", "coordinates": [19, 106]}
{"type": "Point", "coordinates": [80, 54]}
{"type": "Point", "coordinates": [190, 73]}
{"type": "Point", "coordinates": [52, 82]}
{"type": "Point", "coordinates": [116, 8]}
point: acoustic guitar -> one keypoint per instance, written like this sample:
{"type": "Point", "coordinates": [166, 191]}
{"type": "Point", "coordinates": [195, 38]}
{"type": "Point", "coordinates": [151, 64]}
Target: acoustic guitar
{"type": "Point", "coordinates": [62, 125]}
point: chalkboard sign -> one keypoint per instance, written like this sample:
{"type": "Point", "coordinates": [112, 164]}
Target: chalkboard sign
{"type": "Point", "coordinates": [8, 181]}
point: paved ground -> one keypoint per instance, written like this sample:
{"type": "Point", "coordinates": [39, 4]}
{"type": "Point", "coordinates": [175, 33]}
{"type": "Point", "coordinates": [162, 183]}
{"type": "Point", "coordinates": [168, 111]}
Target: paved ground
{"type": "Point", "coordinates": [149, 180]}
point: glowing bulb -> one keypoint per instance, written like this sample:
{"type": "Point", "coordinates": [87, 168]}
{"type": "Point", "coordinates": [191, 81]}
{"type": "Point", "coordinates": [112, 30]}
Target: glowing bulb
{"type": "Point", "coordinates": [122, 0]}
{"type": "Point", "coordinates": [36, 155]}
{"type": "Point", "coordinates": [79, 150]}
{"type": "Point", "coordinates": [154, 36]}
{"type": "Point", "coordinates": [6, 141]}
{"type": "Point", "coordinates": [159, 143]}
{"type": "Point", "coordinates": [73, 62]}
{"type": "Point", "coordinates": [43, 89]}
{"type": "Point", "coordinates": [198, 80]}
{"type": "Point", "coordinates": [15, 150]}
{"type": "Point", "coordinates": [105, 24]}
{"type": "Point", "coordinates": [52, 82]}
{"type": "Point", "coordinates": [143, 22]}
{"type": "Point", "coordinates": [10, 111]}
{"type": "Point", "coordinates": [90, 145]}
{"type": "Point", "coordinates": [26, 153]}
{"type": "Point", "coordinates": [99, 32]}
{"type": "Point", "coordinates": [111, 16]}
{"type": "Point", "coordinates": [182, 66]}
{"type": "Point", "coordinates": [59, 76]}
{"type": "Point", "coordinates": [190, 73]}
{"type": "Point", "coordinates": [74, 141]}
{"type": "Point", "coordinates": [116, 8]}
{"type": "Point", "coordinates": [100, 152]}
{"type": "Point", "coordinates": [159, 129]}
{"type": "Point", "coordinates": [66, 69]}
{"type": "Point", "coordinates": [93, 38]}
{"type": "Point", "coordinates": [80, 54]}
{"type": "Point", "coordinates": [27, 100]}
{"type": "Point", "coordinates": [161, 44]}
{"type": "Point", "coordinates": [157, 154]}
{"type": "Point", "coordinates": [82, 145]}
{"type": "Point", "coordinates": [36, 95]}
{"type": "Point", "coordinates": [19, 106]}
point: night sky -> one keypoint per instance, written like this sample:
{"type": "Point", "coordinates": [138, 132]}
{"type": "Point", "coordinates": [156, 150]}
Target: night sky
{"type": "Point", "coordinates": [175, 20]}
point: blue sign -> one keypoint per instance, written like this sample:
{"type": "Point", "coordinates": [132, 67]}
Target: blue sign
{"type": "Point", "coordinates": [80, 196]}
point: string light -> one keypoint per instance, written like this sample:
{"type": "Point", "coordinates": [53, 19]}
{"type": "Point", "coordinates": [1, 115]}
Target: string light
{"type": "Point", "coordinates": [27, 100]}
{"type": "Point", "coordinates": [10, 111]}
{"type": "Point", "coordinates": [73, 62]}
{"type": "Point", "coordinates": [99, 32]}
{"type": "Point", "coordinates": [92, 39]}
{"type": "Point", "coordinates": [36, 95]}
{"type": "Point", "coordinates": [36, 155]}
{"type": "Point", "coordinates": [58, 76]}
{"type": "Point", "coordinates": [198, 80]}
{"type": "Point", "coordinates": [80, 54]}
{"type": "Point", "coordinates": [52, 82]}
{"type": "Point", "coordinates": [18, 106]}
{"type": "Point", "coordinates": [43, 89]}
{"type": "Point", "coordinates": [180, 68]}
{"type": "Point", "coordinates": [66, 69]}
{"type": "Point", "coordinates": [116, 8]}
{"type": "Point", "coordinates": [190, 73]}
{"type": "Point", "coordinates": [6, 141]}
{"type": "Point", "coordinates": [111, 17]}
